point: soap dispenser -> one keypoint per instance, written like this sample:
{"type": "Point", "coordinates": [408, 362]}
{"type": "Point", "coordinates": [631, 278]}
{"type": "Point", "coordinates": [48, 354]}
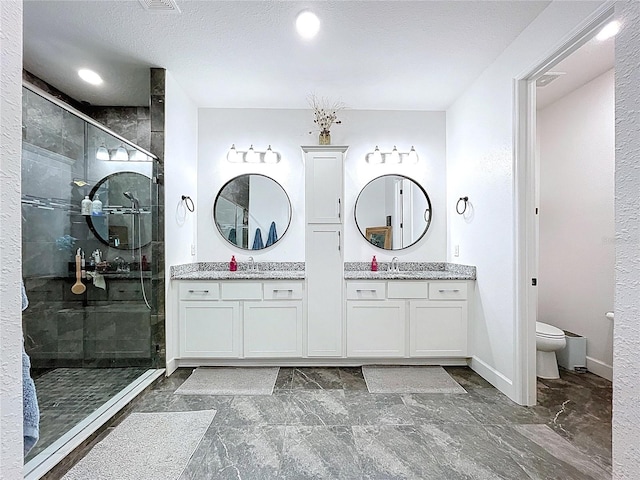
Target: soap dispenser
{"type": "Point", "coordinates": [374, 264]}
{"type": "Point", "coordinates": [85, 206]}
{"type": "Point", "coordinates": [233, 265]}
{"type": "Point", "coordinates": [96, 206]}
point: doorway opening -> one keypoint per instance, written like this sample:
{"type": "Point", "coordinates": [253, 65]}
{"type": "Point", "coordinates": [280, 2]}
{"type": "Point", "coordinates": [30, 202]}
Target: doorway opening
{"type": "Point", "coordinates": [527, 183]}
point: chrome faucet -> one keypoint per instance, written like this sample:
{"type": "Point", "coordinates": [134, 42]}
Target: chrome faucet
{"type": "Point", "coordinates": [394, 264]}
{"type": "Point", "coordinates": [252, 264]}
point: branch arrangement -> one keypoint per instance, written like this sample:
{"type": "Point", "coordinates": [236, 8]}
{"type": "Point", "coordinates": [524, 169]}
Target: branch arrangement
{"type": "Point", "coordinates": [325, 112]}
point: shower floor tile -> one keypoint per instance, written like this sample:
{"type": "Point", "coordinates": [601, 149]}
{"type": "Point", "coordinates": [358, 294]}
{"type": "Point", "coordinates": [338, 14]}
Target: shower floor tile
{"type": "Point", "coordinates": [68, 395]}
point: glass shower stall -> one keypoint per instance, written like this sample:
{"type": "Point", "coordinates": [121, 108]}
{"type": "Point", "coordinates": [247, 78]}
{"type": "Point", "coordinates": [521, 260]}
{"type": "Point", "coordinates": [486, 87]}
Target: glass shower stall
{"type": "Point", "coordinates": [88, 221]}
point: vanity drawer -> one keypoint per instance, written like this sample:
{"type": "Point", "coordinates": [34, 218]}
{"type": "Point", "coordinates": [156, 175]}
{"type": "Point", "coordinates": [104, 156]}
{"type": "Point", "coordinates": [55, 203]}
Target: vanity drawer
{"type": "Point", "coordinates": [365, 291]}
{"type": "Point", "coordinates": [408, 289]}
{"type": "Point", "coordinates": [238, 290]}
{"type": "Point", "coordinates": [282, 291]}
{"type": "Point", "coordinates": [199, 291]}
{"type": "Point", "coordinates": [447, 291]}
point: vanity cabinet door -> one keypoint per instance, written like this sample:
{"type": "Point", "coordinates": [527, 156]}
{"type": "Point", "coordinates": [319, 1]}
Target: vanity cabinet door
{"type": "Point", "coordinates": [209, 329]}
{"type": "Point", "coordinates": [376, 329]}
{"type": "Point", "coordinates": [324, 291]}
{"type": "Point", "coordinates": [273, 329]}
{"type": "Point", "coordinates": [323, 183]}
{"type": "Point", "coordinates": [438, 328]}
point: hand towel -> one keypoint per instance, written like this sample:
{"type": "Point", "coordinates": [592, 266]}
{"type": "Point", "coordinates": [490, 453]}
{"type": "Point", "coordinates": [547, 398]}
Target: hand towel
{"type": "Point", "coordinates": [98, 280]}
{"type": "Point", "coordinates": [257, 241]}
{"type": "Point", "coordinates": [273, 235]}
{"type": "Point", "coordinates": [232, 236]}
{"type": "Point", "coordinates": [30, 410]}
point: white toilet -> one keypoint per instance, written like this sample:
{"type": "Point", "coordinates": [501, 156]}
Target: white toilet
{"type": "Point", "coordinates": [549, 340]}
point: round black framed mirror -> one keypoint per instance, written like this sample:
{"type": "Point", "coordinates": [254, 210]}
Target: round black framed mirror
{"type": "Point", "coordinates": [252, 211]}
{"type": "Point", "coordinates": [124, 219]}
{"type": "Point", "coordinates": [393, 212]}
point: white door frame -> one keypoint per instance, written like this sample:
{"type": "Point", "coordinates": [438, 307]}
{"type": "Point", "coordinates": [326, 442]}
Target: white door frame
{"type": "Point", "coordinates": [525, 184]}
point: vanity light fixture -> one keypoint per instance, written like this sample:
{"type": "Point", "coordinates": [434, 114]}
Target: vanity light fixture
{"type": "Point", "coordinates": [102, 153]}
{"type": "Point", "coordinates": [392, 157]}
{"type": "Point", "coordinates": [412, 155]}
{"type": "Point", "coordinates": [270, 156]}
{"type": "Point", "coordinates": [232, 155]}
{"type": "Point", "coordinates": [252, 156]}
{"type": "Point", "coordinates": [120, 154]}
{"type": "Point", "coordinates": [137, 156]}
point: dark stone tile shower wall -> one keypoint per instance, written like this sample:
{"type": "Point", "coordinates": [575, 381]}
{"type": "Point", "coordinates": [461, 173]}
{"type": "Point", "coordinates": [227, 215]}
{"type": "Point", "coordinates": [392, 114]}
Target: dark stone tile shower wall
{"type": "Point", "coordinates": [102, 327]}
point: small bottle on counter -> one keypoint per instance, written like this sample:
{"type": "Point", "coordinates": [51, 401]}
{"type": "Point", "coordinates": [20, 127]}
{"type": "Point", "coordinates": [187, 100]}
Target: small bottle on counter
{"type": "Point", "coordinates": [145, 263]}
{"type": "Point", "coordinates": [83, 265]}
{"type": "Point", "coordinates": [233, 265]}
{"type": "Point", "coordinates": [96, 206]}
{"type": "Point", "coordinates": [85, 206]}
{"type": "Point", "coordinates": [374, 264]}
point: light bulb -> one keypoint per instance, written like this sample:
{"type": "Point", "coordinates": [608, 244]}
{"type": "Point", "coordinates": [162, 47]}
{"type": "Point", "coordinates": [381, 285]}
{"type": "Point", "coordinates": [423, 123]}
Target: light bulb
{"type": "Point", "coordinates": [270, 156]}
{"type": "Point", "coordinates": [102, 153]}
{"type": "Point", "coordinates": [89, 76]}
{"type": "Point", "coordinates": [307, 24]}
{"type": "Point", "coordinates": [120, 154]}
{"type": "Point", "coordinates": [251, 156]}
{"type": "Point", "coordinates": [395, 156]}
{"type": "Point", "coordinates": [413, 155]}
{"type": "Point", "coordinates": [611, 29]}
{"type": "Point", "coordinates": [137, 156]}
{"type": "Point", "coordinates": [376, 156]}
{"type": "Point", "coordinates": [232, 155]}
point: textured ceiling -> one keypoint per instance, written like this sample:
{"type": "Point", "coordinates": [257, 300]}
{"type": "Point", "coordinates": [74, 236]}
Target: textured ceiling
{"type": "Point", "coordinates": [416, 55]}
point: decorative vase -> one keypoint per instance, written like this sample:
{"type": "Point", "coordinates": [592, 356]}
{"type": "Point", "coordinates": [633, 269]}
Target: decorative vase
{"type": "Point", "coordinates": [324, 138]}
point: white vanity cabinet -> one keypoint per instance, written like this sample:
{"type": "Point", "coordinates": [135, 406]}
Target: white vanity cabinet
{"type": "Point", "coordinates": [241, 318]}
{"type": "Point", "coordinates": [407, 318]}
{"type": "Point", "coordinates": [208, 328]}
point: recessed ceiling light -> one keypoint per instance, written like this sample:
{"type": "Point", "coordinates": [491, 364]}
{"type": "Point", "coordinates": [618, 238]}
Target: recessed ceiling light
{"type": "Point", "coordinates": [611, 29]}
{"type": "Point", "coordinates": [90, 76]}
{"type": "Point", "coordinates": [307, 24]}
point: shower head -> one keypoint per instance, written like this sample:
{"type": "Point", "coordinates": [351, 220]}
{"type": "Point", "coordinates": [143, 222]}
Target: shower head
{"type": "Point", "coordinates": [134, 201]}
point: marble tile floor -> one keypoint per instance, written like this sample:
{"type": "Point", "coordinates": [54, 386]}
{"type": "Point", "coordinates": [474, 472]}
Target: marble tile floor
{"type": "Point", "coordinates": [321, 423]}
{"type": "Point", "coordinates": [66, 396]}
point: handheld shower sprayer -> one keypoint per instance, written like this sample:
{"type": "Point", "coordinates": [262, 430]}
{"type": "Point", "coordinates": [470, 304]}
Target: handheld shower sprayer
{"type": "Point", "coordinates": [135, 203]}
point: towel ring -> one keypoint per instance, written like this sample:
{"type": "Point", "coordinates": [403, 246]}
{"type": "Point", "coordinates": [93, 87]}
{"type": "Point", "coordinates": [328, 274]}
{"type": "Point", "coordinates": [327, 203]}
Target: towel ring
{"type": "Point", "coordinates": [189, 203]}
{"type": "Point", "coordinates": [464, 209]}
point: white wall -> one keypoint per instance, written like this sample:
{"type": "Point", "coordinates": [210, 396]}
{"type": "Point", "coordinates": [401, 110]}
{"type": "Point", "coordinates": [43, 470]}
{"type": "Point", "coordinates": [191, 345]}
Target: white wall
{"type": "Point", "coordinates": [286, 131]}
{"type": "Point", "coordinates": [577, 254]}
{"type": "Point", "coordinates": [626, 342]}
{"type": "Point", "coordinates": [180, 169]}
{"type": "Point", "coordinates": [10, 248]}
{"type": "Point", "coordinates": [480, 163]}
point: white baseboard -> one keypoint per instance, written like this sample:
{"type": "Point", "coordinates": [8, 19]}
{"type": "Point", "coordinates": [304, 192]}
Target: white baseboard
{"type": "Point", "coordinates": [315, 362]}
{"type": "Point", "coordinates": [600, 368]}
{"type": "Point", "coordinates": [493, 376]}
{"type": "Point", "coordinates": [172, 366]}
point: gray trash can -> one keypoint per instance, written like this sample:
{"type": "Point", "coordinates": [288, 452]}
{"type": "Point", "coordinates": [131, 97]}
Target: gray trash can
{"type": "Point", "coordinates": [574, 355]}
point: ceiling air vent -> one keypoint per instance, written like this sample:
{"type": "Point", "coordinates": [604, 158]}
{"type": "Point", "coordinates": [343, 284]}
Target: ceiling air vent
{"type": "Point", "coordinates": [547, 78]}
{"type": "Point", "coordinates": [169, 6]}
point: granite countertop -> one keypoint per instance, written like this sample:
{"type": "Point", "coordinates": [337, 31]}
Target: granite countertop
{"type": "Point", "coordinates": [220, 271]}
{"type": "Point", "coordinates": [409, 271]}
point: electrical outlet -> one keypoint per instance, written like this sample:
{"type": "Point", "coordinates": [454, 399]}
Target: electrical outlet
{"type": "Point", "coordinates": [456, 250]}
{"type": "Point", "coordinates": [193, 249]}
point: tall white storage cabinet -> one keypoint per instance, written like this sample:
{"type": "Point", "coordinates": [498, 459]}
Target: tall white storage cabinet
{"type": "Point", "coordinates": [324, 187]}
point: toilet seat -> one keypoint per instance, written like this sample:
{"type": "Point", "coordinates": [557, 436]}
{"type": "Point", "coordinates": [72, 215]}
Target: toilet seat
{"type": "Point", "coordinates": [545, 330]}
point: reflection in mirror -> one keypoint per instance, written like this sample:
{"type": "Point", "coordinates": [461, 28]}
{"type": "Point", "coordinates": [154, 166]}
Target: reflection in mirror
{"type": "Point", "coordinates": [125, 219]}
{"type": "Point", "coordinates": [252, 211]}
{"type": "Point", "coordinates": [393, 212]}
